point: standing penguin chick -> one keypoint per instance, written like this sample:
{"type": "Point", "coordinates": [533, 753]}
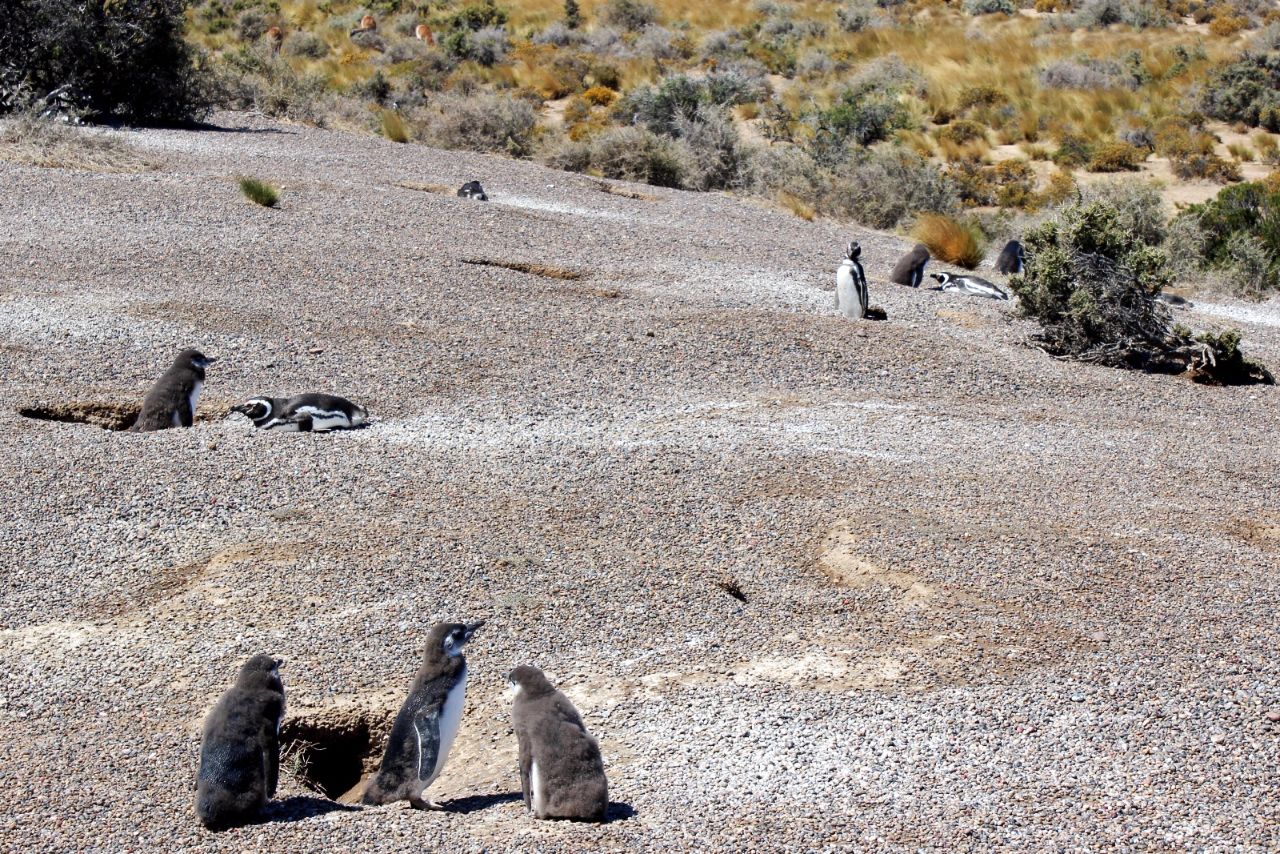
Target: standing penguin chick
{"type": "Point", "coordinates": [240, 748]}
{"type": "Point", "coordinates": [851, 285]}
{"type": "Point", "coordinates": [1011, 259]}
{"type": "Point", "coordinates": [303, 413]}
{"type": "Point", "coordinates": [427, 723]}
{"type": "Point", "coordinates": [172, 400]}
{"type": "Point", "coordinates": [909, 270]}
{"type": "Point", "coordinates": [561, 772]}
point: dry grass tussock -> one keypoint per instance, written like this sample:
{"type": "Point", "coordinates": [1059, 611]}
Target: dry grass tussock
{"type": "Point", "coordinates": [949, 240]}
{"type": "Point", "coordinates": [29, 140]}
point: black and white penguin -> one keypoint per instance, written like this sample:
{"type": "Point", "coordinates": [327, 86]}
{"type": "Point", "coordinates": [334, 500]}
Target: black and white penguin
{"type": "Point", "coordinates": [1174, 300]}
{"type": "Point", "coordinates": [909, 270]}
{"type": "Point", "coordinates": [971, 285]}
{"type": "Point", "coordinates": [561, 771]}
{"type": "Point", "coordinates": [428, 721]}
{"type": "Point", "coordinates": [303, 413]}
{"type": "Point", "coordinates": [851, 285]}
{"type": "Point", "coordinates": [240, 748]}
{"type": "Point", "coordinates": [1011, 260]}
{"type": "Point", "coordinates": [171, 402]}
{"type": "Point", "coordinates": [472, 190]}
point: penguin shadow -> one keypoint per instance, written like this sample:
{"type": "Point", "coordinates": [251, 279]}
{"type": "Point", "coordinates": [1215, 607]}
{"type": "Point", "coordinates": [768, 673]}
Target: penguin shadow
{"type": "Point", "coordinates": [299, 808]}
{"type": "Point", "coordinates": [476, 803]}
{"type": "Point", "coordinates": [617, 811]}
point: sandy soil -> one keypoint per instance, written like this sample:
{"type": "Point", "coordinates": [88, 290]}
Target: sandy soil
{"type": "Point", "coordinates": [989, 600]}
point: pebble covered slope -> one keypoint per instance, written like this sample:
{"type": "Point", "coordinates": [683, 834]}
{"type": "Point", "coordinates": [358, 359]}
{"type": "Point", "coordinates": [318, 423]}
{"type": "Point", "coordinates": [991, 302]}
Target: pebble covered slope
{"type": "Point", "coordinates": [985, 599]}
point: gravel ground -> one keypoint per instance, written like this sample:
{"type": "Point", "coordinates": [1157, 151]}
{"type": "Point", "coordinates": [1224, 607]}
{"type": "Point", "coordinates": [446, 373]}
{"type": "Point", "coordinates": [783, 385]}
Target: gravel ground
{"type": "Point", "coordinates": [991, 600]}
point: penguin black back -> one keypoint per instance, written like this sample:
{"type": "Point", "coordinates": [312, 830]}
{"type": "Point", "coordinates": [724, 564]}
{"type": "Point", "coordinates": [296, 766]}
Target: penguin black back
{"type": "Point", "coordinates": [303, 413]}
{"type": "Point", "coordinates": [910, 269]}
{"type": "Point", "coordinates": [171, 402]}
{"type": "Point", "coordinates": [427, 723]}
{"type": "Point", "coordinates": [561, 771]}
{"type": "Point", "coordinates": [240, 747]}
{"type": "Point", "coordinates": [1010, 260]}
{"type": "Point", "coordinates": [472, 190]}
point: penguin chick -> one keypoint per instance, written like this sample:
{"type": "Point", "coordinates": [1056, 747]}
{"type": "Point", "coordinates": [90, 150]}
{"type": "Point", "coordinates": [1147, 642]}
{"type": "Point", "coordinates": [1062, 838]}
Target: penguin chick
{"type": "Point", "coordinates": [171, 402]}
{"type": "Point", "coordinates": [909, 270]}
{"type": "Point", "coordinates": [1012, 259]}
{"type": "Point", "coordinates": [240, 747]}
{"type": "Point", "coordinates": [428, 721]}
{"type": "Point", "coordinates": [561, 771]}
{"type": "Point", "coordinates": [303, 413]}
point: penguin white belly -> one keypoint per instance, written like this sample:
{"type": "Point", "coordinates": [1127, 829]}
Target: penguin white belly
{"type": "Point", "coordinates": [450, 721]}
{"type": "Point", "coordinates": [323, 419]}
{"type": "Point", "coordinates": [538, 793]}
{"type": "Point", "coordinates": [195, 396]}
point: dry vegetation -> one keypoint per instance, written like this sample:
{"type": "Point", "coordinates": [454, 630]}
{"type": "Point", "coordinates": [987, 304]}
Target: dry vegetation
{"type": "Point", "coordinates": [29, 140]}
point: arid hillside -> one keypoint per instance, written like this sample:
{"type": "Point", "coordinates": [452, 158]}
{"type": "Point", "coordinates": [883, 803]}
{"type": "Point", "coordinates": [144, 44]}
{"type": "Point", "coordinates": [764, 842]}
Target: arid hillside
{"type": "Point", "coordinates": [815, 584]}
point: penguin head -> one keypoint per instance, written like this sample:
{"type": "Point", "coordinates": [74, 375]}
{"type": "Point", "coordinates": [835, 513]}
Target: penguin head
{"type": "Point", "coordinates": [942, 278]}
{"type": "Point", "coordinates": [256, 408]}
{"type": "Point", "coordinates": [450, 638]}
{"type": "Point", "coordinates": [853, 252]}
{"type": "Point", "coordinates": [260, 671]}
{"type": "Point", "coordinates": [529, 681]}
{"type": "Point", "coordinates": [190, 358]}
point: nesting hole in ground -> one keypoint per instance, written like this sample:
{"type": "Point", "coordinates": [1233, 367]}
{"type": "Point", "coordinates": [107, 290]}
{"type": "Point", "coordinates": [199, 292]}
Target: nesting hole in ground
{"type": "Point", "coordinates": [428, 188]}
{"type": "Point", "coordinates": [615, 190]}
{"type": "Point", "coordinates": [109, 416]}
{"type": "Point", "coordinates": [546, 271]}
{"type": "Point", "coordinates": [332, 751]}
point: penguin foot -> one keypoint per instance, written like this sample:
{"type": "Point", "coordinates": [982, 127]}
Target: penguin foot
{"type": "Point", "coordinates": [424, 804]}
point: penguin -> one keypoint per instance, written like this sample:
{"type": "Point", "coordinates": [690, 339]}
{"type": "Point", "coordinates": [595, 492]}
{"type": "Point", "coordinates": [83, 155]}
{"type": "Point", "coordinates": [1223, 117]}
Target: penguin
{"type": "Point", "coordinates": [472, 190]}
{"type": "Point", "coordinates": [427, 723]}
{"type": "Point", "coordinates": [561, 771]}
{"type": "Point", "coordinates": [971, 285]}
{"type": "Point", "coordinates": [303, 413]}
{"type": "Point", "coordinates": [1174, 300]}
{"type": "Point", "coordinates": [240, 747]}
{"type": "Point", "coordinates": [1011, 260]}
{"type": "Point", "coordinates": [851, 285]}
{"type": "Point", "coordinates": [909, 270]}
{"type": "Point", "coordinates": [171, 402]}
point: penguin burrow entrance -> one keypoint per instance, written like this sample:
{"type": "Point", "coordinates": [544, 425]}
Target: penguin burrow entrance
{"type": "Point", "coordinates": [109, 416]}
{"type": "Point", "coordinates": [546, 271]}
{"type": "Point", "coordinates": [331, 750]}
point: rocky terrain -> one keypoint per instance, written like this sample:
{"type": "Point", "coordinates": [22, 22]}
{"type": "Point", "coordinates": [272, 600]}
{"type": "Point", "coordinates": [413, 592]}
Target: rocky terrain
{"type": "Point", "coordinates": [814, 584]}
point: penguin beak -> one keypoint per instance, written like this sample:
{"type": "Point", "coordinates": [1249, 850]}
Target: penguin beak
{"type": "Point", "coordinates": [471, 628]}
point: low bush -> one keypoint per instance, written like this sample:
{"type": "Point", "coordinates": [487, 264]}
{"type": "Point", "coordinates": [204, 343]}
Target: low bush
{"type": "Point", "coordinates": [882, 188]}
{"type": "Point", "coordinates": [30, 140]}
{"type": "Point", "coordinates": [1247, 91]}
{"type": "Point", "coordinates": [990, 7]}
{"type": "Point", "coordinates": [1210, 167]}
{"type": "Point", "coordinates": [1138, 205]}
{"type": "Point", "coordinates": [303, 44]}
{"type": "Point", "coordinates": [1092, 286]}
{"type": "Point", "coordinates": [492, 123]}
{"type": "Point", "coordinates": [1073, 151]}
{"type": "Point", "coordinates": [1239, 230]}
{"type": "Point", "coordinates": [626, 154]}
{"type": "Point", "coordinates": [629, 14]}
{"type": "Point", "coordinates": [1115, 156]}
{"type": "Point", "coordinates": [1096, 14]}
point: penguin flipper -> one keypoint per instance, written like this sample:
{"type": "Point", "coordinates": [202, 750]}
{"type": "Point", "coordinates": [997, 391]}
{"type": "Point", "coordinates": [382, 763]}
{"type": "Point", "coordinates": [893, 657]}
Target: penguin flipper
{"type": "Point", "coordinates": [526, 762]}
{"type": "Point", "coordinates": [426, 729]}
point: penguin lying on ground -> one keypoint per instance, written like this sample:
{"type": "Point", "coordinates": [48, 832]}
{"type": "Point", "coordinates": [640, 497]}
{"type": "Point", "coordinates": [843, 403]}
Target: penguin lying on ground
{"type": "Point", "coordinates": [427, 723]}
{"type": "Point", "coordinates": [472, 190]}
{"type": "Point", "coordinates": [171, 402]}
{"type": "Point", "coordinates": [240, 748]}
{"type": "Point", "coordinates": [971, 285]}
{"type": "Point", "coordinates": [303, 413]}
{"type": "Point", "coordinates": [561, 771]}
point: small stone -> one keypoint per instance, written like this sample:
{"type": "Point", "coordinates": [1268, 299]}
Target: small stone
{"type": "Point", "coordinates": [1218, 738]}
{"type": "Point", "coordinates": [1273, 715]}
{"type": "Point", "coordinates": [1077, 697]}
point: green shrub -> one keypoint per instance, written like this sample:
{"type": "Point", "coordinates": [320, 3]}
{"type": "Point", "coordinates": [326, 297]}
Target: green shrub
{"type": "Point", "coordinates": [259, 192]}
{"type": "Point", "coordinates": [304, 44]}
{"type": "Point", "coordinates": [961, 132]}
{"type": "Point", "coordinates": [990, 7]}
{"type": "Point", "coordinates": [629, 14]}
{"type": "Point", "coordinates": [1138, 205]}
{"type": "Point", "coordinates": [1073, 151]}
{"type": "Point", "coordinates": [97, 60]}
{"type": "Point", "coordinates": [1239, 232]}
{"type": "Point", "coordinates": [626, 154]}
{"type": "Point", "coordinates": [1092, 285]}
{"type": "Point", "coordinates": [478, 16]}
{"type": "Point", "coordinates": [1247, 91]}
{"type": "Point", "coordinates": [862, 115]}
{"type": "Point", "coordinates": [882, 188]}
{"type": "Point", "coordinates": [1115, 156]}
{"type": "Point", "coordinates": [492, 123]}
